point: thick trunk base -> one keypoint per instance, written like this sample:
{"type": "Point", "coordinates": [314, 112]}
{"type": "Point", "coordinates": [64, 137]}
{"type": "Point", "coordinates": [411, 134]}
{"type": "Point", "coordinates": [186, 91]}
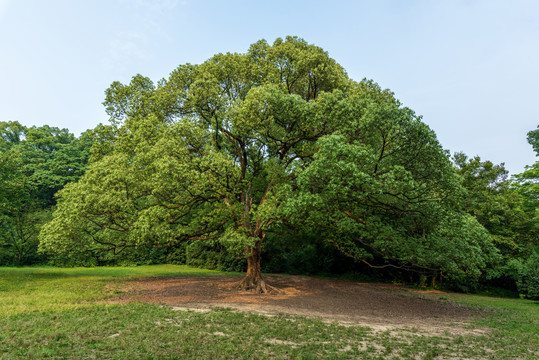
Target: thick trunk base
{"type": "Point", "coordinates": [258, 286]}
{"type": "Point", "coordinates": [253, 278]}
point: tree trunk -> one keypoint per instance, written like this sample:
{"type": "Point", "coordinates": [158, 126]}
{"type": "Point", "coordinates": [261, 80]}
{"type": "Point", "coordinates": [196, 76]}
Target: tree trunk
{"type": "Point", "coordinates": [253, 278]}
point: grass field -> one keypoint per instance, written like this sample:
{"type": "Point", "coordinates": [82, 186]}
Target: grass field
{"type": "Point", "coordinates": [59, 314]}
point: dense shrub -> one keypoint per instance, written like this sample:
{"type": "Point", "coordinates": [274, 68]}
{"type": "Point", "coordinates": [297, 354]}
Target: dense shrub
{"type": "Point", "coordinates": [528, 277]}
{"type": "Point", "coordinates": [142, 255]}
{"type": "Point", "coordinates": [303, 254]}
{"type": "Point", "coordinates": [72, 260]}
{"type": "Point", "coordinates": [6, 258]}
{"type": "Point", "coordinates": [177, 255]}
{"type": "Point", "coordinates": [212, 256]}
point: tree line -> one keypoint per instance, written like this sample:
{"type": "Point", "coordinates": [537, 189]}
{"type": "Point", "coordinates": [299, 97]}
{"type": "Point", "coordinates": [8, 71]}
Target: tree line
{"type": "Point", "coordinates": [277, 152]}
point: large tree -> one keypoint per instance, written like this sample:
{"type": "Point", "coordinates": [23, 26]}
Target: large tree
{"type": "Point", "coordinates": [215, 151]}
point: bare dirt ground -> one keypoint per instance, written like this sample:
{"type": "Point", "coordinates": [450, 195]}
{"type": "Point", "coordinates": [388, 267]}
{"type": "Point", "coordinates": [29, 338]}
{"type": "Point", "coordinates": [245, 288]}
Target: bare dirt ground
{"type": "Point", "coordinates": [382, 307]}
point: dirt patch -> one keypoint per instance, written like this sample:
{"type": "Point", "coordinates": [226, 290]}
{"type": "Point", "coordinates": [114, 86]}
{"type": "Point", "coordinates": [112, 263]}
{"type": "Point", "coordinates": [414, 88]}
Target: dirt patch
{"type": "Point", "coordinates": [382, 307]}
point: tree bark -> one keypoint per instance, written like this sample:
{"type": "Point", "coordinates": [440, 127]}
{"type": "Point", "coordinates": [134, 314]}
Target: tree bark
{"type": "Point", "coordinates": [253, 280]}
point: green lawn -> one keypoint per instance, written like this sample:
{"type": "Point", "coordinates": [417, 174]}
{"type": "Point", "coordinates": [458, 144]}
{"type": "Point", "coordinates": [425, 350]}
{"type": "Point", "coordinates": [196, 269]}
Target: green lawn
{"type": "Point", "coordinates": [54, 313]}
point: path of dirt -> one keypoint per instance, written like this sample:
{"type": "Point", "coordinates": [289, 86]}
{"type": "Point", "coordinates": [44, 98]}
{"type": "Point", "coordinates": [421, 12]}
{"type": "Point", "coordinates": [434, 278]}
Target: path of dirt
{"type": "Point", "coordinates": [376, 305]}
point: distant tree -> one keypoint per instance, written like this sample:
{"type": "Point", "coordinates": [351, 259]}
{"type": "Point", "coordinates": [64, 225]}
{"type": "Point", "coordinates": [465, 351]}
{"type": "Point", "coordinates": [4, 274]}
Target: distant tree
{"type": "Point", "coordinates": [53, 157]}
{"type": "Point", "coordinates": [528, 185]}
{"type": "Point", "coordinates": [498, 205]}
{"type": "Point", "coordinates": [238, 146]}
{"type": "Point", "coordinates": [11, 133]}
{"type": "Point", "coordinates": [35, 163]}
{"type": "Point", "coordinates": [529, 179]}
{"type": "Point", "coordinates": [19, 211]}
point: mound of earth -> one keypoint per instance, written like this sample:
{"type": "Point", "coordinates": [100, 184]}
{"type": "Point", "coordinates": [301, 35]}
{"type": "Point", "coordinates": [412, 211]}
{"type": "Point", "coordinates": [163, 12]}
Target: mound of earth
{"type": "Point", "coordinates": [376, 305]}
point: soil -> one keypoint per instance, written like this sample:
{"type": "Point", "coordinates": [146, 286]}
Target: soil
{"type": "Point", "coordinates": [382, 307]}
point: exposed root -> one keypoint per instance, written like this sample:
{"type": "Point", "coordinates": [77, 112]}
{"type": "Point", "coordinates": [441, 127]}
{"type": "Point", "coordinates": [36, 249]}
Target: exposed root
{"type": "Point", "coordinates": [258, 287]}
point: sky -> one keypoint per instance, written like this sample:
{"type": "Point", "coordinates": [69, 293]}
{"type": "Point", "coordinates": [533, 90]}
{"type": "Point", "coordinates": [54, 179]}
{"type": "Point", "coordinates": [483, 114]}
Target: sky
{"type": "Point", "coordinates": [469, 67]}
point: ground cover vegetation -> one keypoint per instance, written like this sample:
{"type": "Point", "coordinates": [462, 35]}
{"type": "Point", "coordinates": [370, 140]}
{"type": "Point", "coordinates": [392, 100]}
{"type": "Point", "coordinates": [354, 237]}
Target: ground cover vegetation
{"type": "Point", "coordinates": [273, 152]}
{"type": "Point", "coordinates": [66, 313]}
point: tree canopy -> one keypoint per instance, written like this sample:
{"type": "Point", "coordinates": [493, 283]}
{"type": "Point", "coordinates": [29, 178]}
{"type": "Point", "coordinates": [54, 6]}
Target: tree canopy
{"type": "Point", "coordinates": [245, 144]}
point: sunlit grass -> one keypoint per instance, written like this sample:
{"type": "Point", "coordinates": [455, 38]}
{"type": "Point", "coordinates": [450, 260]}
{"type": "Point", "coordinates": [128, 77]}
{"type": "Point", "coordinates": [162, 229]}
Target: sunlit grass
{"type": "Point", "coordinates": [513, 324]}
{"type": "Point", "coordinates": [30, 289]}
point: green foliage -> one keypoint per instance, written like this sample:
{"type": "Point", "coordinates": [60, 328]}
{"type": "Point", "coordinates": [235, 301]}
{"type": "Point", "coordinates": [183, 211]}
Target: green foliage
{"type": "Point", "coordinates": [298, 260]}
{"type": "Point", "coordinates": [527, 265]}
{"type": "Point", "coordinates": [383, 186]}
{"type": "Point", "coordinates": [213, 257]}
{"type": "Point", "coordinates": [241, 145]}
{"type": "Point", "coordinates": [34, 164]}
{"type": "Point", "coordinates": [19, 236]}
{"type": "Point", "coordinates": [507, 210]}
{"type": "Point", "coordinates": [497, 205]}
{"type": "Point", "coordinates": [21, 213]}
{"type": "Point", "coordinates": [533, 139]}
{"type": "Point", "coordinates": [296, 252]}
{"type": "Point", "coordinates": [528, 185]}
{"type": "Point", "coordinates": [202, 155]}
{"type": "Point", "coordinates": [528, 277]}
{"type": "Point", "coordinates": [528, 181]}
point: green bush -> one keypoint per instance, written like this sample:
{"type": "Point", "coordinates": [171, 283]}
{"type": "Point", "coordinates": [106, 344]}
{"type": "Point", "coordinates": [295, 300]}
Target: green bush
{"type": "Point", "coordinates": [212, 256]}
{"type": "Point", "coordinates": [73, 260]}
{"type": "Point", "coordinates": [142, 255]}
{"type": "Point", "coordinates": [528, 277]}
{"type": "Point", "coordinates": [303, 254]}
{"type": "Point", "coordinates": [6, 257]}
{"type": "Point", "coordinates": [177, 255]}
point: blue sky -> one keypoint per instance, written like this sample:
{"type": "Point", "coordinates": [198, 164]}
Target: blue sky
{"type": "Point", "coordinates": [470, 67]}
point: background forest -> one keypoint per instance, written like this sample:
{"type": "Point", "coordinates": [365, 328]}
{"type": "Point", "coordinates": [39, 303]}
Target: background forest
{"type": "Point", "coordinates": [278, 145]}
